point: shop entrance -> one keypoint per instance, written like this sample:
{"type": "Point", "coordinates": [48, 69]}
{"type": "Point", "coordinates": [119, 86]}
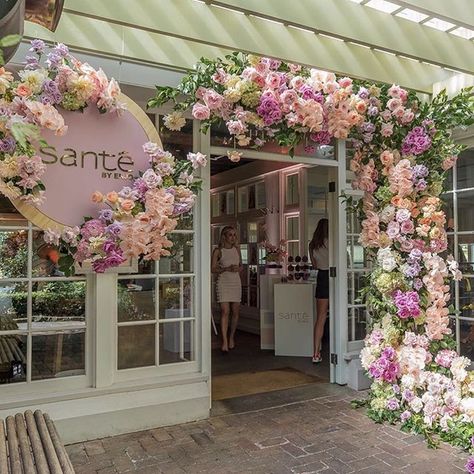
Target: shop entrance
{"type": "Point", "coordinates": [266, 201]}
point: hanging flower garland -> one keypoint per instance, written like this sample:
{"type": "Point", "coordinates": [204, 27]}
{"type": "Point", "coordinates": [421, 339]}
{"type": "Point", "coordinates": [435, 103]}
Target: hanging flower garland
{"type": "Point", "coordinates": [134, 221]}
{"type": "Point", "coordinates": [402, 150]}
{"type": "Point", "coordinates": [262, 99]}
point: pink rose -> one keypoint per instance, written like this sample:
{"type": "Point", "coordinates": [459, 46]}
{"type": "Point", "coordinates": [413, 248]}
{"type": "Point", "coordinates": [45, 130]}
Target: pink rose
{"type": "Point", "coordinates": [387, 129]}
{"type": "Point", "coordinates": [273, 80]}
{"type": "Point", "coordinates": [201, 112]}
{"type": "Point", "coordinates": [212, 99]}
{"type": "Point", "coordinates": [407, 227]}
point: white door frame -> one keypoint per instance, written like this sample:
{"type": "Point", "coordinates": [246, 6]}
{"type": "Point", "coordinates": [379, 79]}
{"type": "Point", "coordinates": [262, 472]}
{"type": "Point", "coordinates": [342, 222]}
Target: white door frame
{"type": "Point", "coordinates": [337, 214]}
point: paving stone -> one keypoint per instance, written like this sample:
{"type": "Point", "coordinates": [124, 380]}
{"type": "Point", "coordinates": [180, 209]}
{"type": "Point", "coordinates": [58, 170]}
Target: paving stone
{"type": "Point", "coordinates": [94, 447]}
{"type": "Point", "coordinates": [320, 435]}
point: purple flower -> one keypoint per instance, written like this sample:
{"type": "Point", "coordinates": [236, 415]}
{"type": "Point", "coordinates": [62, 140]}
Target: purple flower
{"type": "Point", "coordinates": [367, 137]}
{"type": "Point", "coordinates": [368, 127]}
{"type": "Point", "coordinates": [54, 60]}
{"type": "Point", "coordinates": [470, 465]}
{"type": "Point", "coordinates": [420, 171]}
{"type": "Point", "coordinates": [38, 46]}
{"type": "Point", "coordinates": [92, 228]}
{"type": "Point", "coordinates": [7, 145]}
{"type": "Point", "coordinates": [62, 50]}
{"type": "Point", "coordinates": [416, 142]}
{"type": "Point", "coordinates": [110, 246]}
{"type": "Point", "coordinates": [417, 284]}
{"type": "Point", "coordinates": [421, 185]}
{"type": "Point", "coordinates": [106, 215]}
{"type": "Point", "coordinates": [392, 404]}
{"type": "Point", "coordinates": [323, 137]}
{"type": "Point", "coordinates": [112, 260]}
{"type": "Point", "coordinates": [405, 416]}
{"type": "Point", "coordinates": [412, 270]}
{"type": "Point", "coordinates": [32, 62]}
{"type": "Point", "coordinates": [269, 109]}
{"type": "Point", "coordinates": [363, 93]}
{"type": "Point", "coordinates": [373, 111]}
{"type": "Point", "coordinates": [407, 303]}
{"type": "Point", "coordinates": [408, 395]}
{"type": "Point", "coordinates": [114, 229]}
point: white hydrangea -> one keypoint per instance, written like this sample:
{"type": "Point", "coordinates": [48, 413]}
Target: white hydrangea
{"type": "Point", "coordinates": [386, 259]}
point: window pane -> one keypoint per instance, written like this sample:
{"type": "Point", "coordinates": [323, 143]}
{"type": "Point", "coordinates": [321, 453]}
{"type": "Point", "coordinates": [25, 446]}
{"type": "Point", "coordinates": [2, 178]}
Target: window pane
{"type": "Point", "coordinates": [13, 304]}
{"type": "Point", "coordinates": [292, 228]}
{"type": "Point", "coordinates": [466, 253]}
{"type": "Point", "coordinates": [466, 297]}
{"type": "Point", "coordinates": [176, 296]}
{"type": "Point", "coordinates": [13, 253]}
{"type": "Point", "coordinates": [181, 259]}
{"type": "Point", "coordinates": [466, 337]}
{"type": "Point", "coordinates": [465, 170]}
{"type": "Point", "coordinates": [244, 253]}
{"type": "Point", "coordinates": [58, 303]}
{"type": "Point", "coordinates": [357, 323]}
{"type": "Point", "coordinates": [58, 355]}
{"type": "Point", "coordinates": [176, 342]}
{"type": "Point", "coordinates": [12, 359]}
{"type": "Point", "coordinates": [252, 233]}
{"type": "Point", "coordinates": [466, 211]}
{"type": "Point", "coordinates": [136, 299]}
{"type": "Point", "coordinates": [45, 257]}
{"type": "Point", "coordinates": [356, 255]}
{"type": "Point", "coordinates": [355, 282]}
{"type": "Point", "coordinates": [136, 346]}
{"type": "Point", "coordinates": [292, 191]}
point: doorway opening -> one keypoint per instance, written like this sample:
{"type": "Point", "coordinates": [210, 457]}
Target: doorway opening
{"type": "Point", "coordinates": [269, 201]}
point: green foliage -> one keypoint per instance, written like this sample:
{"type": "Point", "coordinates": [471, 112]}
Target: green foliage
{"type": "Point", "coordinates": [7, 42]}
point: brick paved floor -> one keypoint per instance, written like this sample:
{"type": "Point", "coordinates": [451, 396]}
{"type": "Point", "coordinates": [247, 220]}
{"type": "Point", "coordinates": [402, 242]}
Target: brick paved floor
{"type": "Point", "coordinates": [322, 434]}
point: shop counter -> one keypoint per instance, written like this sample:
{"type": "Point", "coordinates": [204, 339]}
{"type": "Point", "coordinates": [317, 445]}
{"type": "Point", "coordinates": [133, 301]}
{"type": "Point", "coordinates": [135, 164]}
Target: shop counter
{"type": "Point", "coordinates": [294, 309]}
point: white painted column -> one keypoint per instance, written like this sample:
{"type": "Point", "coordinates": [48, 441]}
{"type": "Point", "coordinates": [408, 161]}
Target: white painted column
{"type": "Point", "coordinates": [104, 320]}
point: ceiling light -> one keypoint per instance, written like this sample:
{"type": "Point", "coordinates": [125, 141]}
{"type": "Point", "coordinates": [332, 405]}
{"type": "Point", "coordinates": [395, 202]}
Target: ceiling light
{"type": "Point", "coordinates": [463, 32]}
{"type": "Point", "coordinates": [357, 1]}
{"type": "Point", "coordinates": [412, 15]}
{"type": "Point", "coordinates": [439, 24]}
{"type": "Point", "coordinates": [383, 6]}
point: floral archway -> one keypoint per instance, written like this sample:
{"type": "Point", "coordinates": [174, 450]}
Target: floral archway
{"type": "Point", "coordinates": [403, 149]}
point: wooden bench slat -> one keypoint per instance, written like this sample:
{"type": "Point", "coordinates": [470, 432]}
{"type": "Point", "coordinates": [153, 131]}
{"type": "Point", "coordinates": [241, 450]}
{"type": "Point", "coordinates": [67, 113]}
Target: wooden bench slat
{"type": "Point", "coordinates": [3, 354]}
{"type": "Point", "coordinates": [13, 343]}
{"type": "Point", "coordinates": [59, 447]}
{"type": "Point", "coordinates": [26, 458]}
{"type": "Point", "coordinates": [8, 351]}
{"type": "Point", "coordinates": [13, 452]}
{"type": "Point", "coordinates": [51, 456]}
{"type": "Point", "coordinates": [36, 445]}
{"type": "Point", "coordinates": [3, 449]}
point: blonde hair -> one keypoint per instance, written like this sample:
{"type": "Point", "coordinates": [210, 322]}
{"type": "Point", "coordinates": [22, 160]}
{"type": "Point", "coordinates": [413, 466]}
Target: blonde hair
{"type": "Point", "coordinates": [224, 231]}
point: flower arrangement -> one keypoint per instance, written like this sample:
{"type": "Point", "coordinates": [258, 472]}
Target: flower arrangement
{"type": "Point", "coordinates": [402, 151]}
{"type": "Point", "coordinates": [262, 99]}
{"type": "Point", "coordinates": [29, 104]}
{"type": "Point", "coordinates": [135, 221]}
{"type": "Point", "coordinates": [274, 254]}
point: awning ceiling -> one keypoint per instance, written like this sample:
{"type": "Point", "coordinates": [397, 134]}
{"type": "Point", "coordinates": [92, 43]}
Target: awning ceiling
{"type": "Point", "coordinates": [350, 37]}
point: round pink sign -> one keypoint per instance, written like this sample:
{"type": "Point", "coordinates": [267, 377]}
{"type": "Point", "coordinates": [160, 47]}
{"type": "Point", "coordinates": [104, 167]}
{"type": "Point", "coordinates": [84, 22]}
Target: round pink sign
{"type": "Point", "coordinates": [99, 152]}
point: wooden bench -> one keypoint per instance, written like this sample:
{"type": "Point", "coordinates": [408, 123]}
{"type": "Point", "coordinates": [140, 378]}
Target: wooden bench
{"type": "Point", "coordinates": [29, 443]}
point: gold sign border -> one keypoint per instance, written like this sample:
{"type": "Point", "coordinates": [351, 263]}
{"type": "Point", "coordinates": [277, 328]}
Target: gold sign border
{"type": "Point", "coordinates": [39, 218]}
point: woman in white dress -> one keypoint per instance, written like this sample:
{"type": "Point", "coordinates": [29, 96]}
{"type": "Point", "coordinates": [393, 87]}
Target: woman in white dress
{"type": "Point", "coordinates": [227, 263]}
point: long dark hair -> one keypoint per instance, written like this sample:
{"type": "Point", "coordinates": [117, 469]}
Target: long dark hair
{"type": "Point", "coordinates": [320, 235]}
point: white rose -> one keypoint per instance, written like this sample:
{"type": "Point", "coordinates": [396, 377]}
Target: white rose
{"type": "Point", "coordinates": [416, 404]}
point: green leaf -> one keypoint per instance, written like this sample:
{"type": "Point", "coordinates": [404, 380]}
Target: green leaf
{"type": "Point", "coordinates": [9, 40]}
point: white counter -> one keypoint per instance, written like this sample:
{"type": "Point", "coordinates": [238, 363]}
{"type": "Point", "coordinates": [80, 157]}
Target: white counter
{"type": "Point", "coordinates": [294, 318]}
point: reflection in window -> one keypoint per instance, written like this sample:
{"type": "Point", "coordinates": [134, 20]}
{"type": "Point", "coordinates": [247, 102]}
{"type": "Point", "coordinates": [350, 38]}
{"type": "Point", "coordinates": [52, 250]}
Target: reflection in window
{"type": "Point", "coordinates": [136, 346]}
{"type": "Point", "coordinates": [292, 190]}
{"type": "Point", "coordinates": [136, 299]}
{"type": "Point", "coordinates": [176, 342]}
